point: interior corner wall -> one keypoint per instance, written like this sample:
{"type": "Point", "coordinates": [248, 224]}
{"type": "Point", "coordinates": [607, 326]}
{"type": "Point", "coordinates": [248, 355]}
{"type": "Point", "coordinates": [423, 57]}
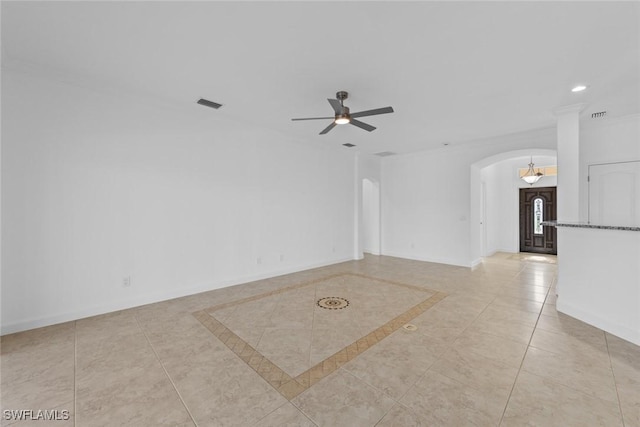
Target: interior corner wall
{"type": "Point", "coordinates": [97, 188]}
{"type": "Point", "coordinates": [426, 197]}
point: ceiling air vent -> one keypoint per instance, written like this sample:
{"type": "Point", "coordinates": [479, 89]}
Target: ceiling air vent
{"type": "Point", "coordinates": [207, 103]}
{"type": "Point", "coordinates": [599, 115]}
{"type": "Point", "coordinates": [348, 145]}
{"type": "Point", "coordinates": [385, 153]}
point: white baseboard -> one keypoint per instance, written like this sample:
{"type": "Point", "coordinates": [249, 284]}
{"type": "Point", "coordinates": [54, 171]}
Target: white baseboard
{"type": "Point", "coordinates": [599, 322]}
{"type": "Point", "coordinates": [38, 322]}
{"type": "Point", "coordinates": [476, 262]}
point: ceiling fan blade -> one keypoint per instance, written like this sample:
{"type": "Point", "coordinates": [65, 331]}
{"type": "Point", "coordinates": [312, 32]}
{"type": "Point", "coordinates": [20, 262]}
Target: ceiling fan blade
{"type": "Point", "coordinates": [328, 128]}
{"type": "Point", "coordinates": [337, 106]}
{"type": "Point", "coordinates": [384, 110]}
{"type": "Point", "coordinates": [362, 125]}
{"type": "Point", "coordinates": [315, 118]}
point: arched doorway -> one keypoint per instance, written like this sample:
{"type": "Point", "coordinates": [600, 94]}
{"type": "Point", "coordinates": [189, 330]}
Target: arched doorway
{"type": "Point", "coordinates": [494, 205]}
{"type": "Point", "coordinates": [370, 217]}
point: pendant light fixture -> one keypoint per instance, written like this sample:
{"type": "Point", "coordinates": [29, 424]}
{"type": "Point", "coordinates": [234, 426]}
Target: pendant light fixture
{"type": "Point", "coordinates": [531, 177]}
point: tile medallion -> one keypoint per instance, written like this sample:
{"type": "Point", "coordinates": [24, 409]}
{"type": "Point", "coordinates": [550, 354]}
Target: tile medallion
{"type": "Point", "coordinates": [289, 327]}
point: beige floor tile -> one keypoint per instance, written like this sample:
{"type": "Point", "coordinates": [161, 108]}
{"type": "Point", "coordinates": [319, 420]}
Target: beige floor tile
{"type": "Point", "coordinates": [121, 402]}
{"type": "Point", "coordinates": [401, 416]}
{"type": "Point", "coordinates": [540, 401]}
{"type": "Point", "coordinates": [537, 294]}
{"type": "Point", "coordinates": [224, 393]}
{"type": "Point", "coordinates": [343, 400]}
{"type": "Point", "coordinates": [590, 376]}
{"type": "Point", "coordinates": [563, 324]}
{"type": "Point", "coordinates": [508, 315]}
{"type": "Point", "coordinates": [625, 361]}
{"type": "Point", "coordinates": [37, 368]}
{"type": "Point", "coordinates": [442, 401]}
{"type": "Point", "coordinates": [629, 394]}
{"type": "Point", "coordinates": [286, 416]}
{"type": "Point", "coordinates": [48, 390]}
{"type": "Point", "coordinates": [513, 331]}
{"type": "Point", "coordinates": [397, 362]}
{"type": "Point", "coordinates": [519, 303]}
{"type": "Point", "coordinates": [457, 368]}
{"type": "Point", "coordinates": [478, 372]}
{"type": "Point", "coordinates": [37, 339]}
{"type": "Point", "coordinates": [624, 355]}
{"type": "Point", "coordinates": [326, 342]}
{"type": "Point", "coordinates": [550, 310]}
{"type": "Point", "coordinates": [41, 359]}
{"type": "Point", "coordinates": [552, 298]}
{"type": "Point", "coordinates": [501, 350]}
{"type": "Point", "coordinates": [282, 340]}
{"type": "Point", "coordinates": [562, 343]}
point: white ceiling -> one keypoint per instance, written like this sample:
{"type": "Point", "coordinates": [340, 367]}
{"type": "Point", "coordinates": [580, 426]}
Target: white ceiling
{"type": "Point", "coordinates": [453, 71]}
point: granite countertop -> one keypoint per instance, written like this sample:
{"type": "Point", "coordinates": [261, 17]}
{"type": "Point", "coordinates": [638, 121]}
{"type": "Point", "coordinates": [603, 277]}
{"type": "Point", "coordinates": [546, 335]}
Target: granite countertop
{"type": "Point", "coordinates": [586, 225]}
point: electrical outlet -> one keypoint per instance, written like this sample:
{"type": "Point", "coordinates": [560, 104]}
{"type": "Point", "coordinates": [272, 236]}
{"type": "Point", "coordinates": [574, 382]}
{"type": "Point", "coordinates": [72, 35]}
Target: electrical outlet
{"type": "Point", "coordinates": [281, 257]}
{"type": "Point", "coordinates": [258, 260]}
{"type": "Point", "coordinates": [126, 282]}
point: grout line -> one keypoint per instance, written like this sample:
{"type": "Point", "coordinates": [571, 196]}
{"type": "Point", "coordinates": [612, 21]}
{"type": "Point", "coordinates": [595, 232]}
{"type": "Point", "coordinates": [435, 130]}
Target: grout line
{"type": "Point", "coordinates": [165, 370]}
{"type": "Point", "coordinates": [284, 404]}
{"type": "Point", "coordinates": [313, 321]}
{"type": "Point", "coordinates": [314, 422]}
{"type": "Point", "coordinates": [615, 383]}
{"type": "Point", "coordinates": [523, 358]}
{"type": "Point", "coordinates": [395, 401]}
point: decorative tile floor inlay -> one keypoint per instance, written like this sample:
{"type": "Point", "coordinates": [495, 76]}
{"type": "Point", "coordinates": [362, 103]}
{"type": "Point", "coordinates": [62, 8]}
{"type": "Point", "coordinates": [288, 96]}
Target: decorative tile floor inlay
{"type": "Point", "coordinates": [332, 303]}
{"type": "Point", "coordinates": [292, 341]}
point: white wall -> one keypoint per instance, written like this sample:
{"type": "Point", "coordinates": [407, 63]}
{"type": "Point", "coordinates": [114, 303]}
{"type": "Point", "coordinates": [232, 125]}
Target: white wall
{"type": "Point", "coordinates": [599, 270]}
{"type": "Point", "coordinates": [502, 221]}
{"type": "Point", "coordinates": [603, 141]}
{"type": "Point", "coordinates": [599, 279]}
{"type": "Point", "coordinates": [98, 186]}
{"type": "Point", "coordinates": [426, 198]}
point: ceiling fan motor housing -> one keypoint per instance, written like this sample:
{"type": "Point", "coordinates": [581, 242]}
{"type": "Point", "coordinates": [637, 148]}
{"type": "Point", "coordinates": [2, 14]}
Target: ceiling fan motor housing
{"type": "Point", "coordinates": [342, 95]}
{"type": "Point", "coordinates": [344, 113]}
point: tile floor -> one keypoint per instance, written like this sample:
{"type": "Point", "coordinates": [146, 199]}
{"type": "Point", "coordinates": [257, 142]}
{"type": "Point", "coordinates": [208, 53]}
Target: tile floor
{"type": "Point", "coordinates": [489, 349]}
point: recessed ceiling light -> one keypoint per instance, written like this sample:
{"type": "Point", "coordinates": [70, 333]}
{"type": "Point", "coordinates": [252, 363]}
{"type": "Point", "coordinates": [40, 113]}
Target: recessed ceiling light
{"type": "Point", "coordinates": [578, 88]}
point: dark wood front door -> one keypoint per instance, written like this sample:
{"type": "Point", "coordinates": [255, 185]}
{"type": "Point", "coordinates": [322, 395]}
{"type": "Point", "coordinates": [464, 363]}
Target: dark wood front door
{"type": "Point", "coordinates": [537, 204]}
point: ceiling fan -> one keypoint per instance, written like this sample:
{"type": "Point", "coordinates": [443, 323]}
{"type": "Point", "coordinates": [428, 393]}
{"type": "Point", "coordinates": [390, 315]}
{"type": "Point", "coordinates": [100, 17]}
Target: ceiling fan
{"type": "Point", "coordinates": [343, 116]}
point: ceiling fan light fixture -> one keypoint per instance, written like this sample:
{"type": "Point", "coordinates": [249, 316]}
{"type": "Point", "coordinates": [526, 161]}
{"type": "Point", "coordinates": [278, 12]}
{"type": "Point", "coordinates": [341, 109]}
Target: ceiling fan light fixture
{"type": "Point", "coordinates": [342, 119]}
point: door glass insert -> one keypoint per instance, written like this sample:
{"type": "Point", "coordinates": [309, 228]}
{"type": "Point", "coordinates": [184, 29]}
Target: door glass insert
{"type": "Point", "coordinates": [538, 205]}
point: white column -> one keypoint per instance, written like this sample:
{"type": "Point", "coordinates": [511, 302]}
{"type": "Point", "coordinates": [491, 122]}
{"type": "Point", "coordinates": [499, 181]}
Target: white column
{"type": "Point", "coordinates": [568, 197]}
